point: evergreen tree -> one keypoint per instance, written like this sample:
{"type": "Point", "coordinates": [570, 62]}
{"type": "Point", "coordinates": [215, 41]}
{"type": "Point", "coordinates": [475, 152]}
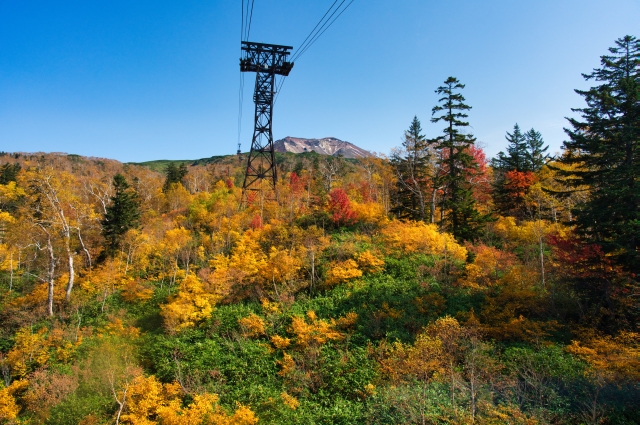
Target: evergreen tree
{"type": "Point", "coordinates": [603, 151]}
{"type": "Point", "coordinates": [410, 164]}
{"type": "Point", "coordinates": [516, 150]}
{"type": "Point", "coordinates": [513, 173]}
{"type": "Point", "coordinates": [536, 153]}
{"type": "Point", "coordinates": [121, 215]}
{"type": "Point", "coordinates": [9, 173]}
{"type": "Point", "coordinates": [174, 174]}
{"type": "Point", "coordinates": [461, 216]}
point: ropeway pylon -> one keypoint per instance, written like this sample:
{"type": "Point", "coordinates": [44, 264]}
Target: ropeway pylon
{"type": "Point", "coordinates": [267, 61]}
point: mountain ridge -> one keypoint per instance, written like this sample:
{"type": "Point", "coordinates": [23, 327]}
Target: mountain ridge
{"type": "Point", "coordinates": [324, 146]}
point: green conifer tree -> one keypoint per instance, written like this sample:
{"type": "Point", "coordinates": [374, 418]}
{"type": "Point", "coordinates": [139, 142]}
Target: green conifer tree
{"type": "Point", "coordinates": [604, 152]}
{"type": "Point", "coordinates": [461, 216]}
{"type": "Point", "coordinates": [536, 152]}
{"type": "Point", "coordinates": [516, 150]}
{"type": "Point", "coordinates": [410, 164]}
{"type": "Point", "coordinates": [9, 173]}
{"type": "Point", "coordinates": [121, 215]}
{"type": "Point", "coordinates": [174, 174]}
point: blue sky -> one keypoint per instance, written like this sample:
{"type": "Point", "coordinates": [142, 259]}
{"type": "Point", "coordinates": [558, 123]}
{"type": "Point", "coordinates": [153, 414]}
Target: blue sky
{"type": "Point", "coordinates": [146, 80]}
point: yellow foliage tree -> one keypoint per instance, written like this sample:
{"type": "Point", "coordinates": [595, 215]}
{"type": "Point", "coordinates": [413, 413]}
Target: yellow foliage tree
{"type": "Point", "coordinates": [9, 408]}
{"type": "Point", "coordinates": [370, 263]}
{"type": "Point", "coordinates": [414, 237]}
{"type": "Point", "coordinates": [313, 332]}
{"type": "Point", "coordinates": [191, 305]}
{"type": "Point", "coordinates": [240, 271]}
{"type": "Point", "coordinates": [252, 325]}
{"type": "Point", "coordinates": [369, 213]}
{"type": "Point", "coordinates": [342, 271]}
{"type": "Point", "coordinates": [151, 402]}
{"type": "Point", "coordinates": [281, 266]}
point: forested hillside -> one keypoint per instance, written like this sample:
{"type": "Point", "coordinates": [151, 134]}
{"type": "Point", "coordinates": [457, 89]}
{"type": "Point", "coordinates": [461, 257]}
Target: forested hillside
{"type": "Point", "coordinates": [434, 286]}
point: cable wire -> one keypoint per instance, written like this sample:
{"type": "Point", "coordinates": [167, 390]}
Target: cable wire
{"type": "Point", "coordinates": [313, 36]}
{"type": "Point", "coordinates": [316, 37]}
{"type": "Point", "coordinates": [250, 19]}
{"type": "Point", "coordinates": [319, 22]}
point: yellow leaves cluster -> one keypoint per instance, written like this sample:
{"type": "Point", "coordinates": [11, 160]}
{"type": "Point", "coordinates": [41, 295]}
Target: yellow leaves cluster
{"type": "Point", "coordinates": [10, 192]}
{"type": "Point", "coordinates": [287, 364]}
{"type": "Point", "coordinates": [611, 358]}
{"type": "Point", "coordinates": [248, 265]}
{"type": "Point", "coordinates": [270, 308]}
{"type": "Point", "coordinates": [252, 325]}
{"type": "Point", "coordinates": [423, 360]}
{"type": "Point", "coordinates": [30, 350]}
{"type": "Point", "coordinates": [241, 268]}
{"type": "Point", "coordinates": [280, 342]}
{"type": "Point", "coordinates": [9, 409]}
{"type": "Point", "coordinates": [280, 266]}
{"type": "Point", "coordinates": [191, 305]}
{"type": "Point", "coordinates": [34, 349]}
{"type": "Point", "coordinates": [369, 262]}
{"type": "Point", "coordinates": [418, 237]}
{"type": "Point", "coordinates": [152, 402]}
{"type": "Point", "coordinates": [487, 268]}
{"type": "Point", "coordinates": [118, 328]}
{"type": "Point", "coordinates": [529, 232]}
{"type": "Point", "coordinates": [369, 213]}
{"type": "Point", "coordinates": [290, 401]}
{"type": "Point", "coordinates": [315, 331]}
{"type": "Point", "coordinates": [342, 271]}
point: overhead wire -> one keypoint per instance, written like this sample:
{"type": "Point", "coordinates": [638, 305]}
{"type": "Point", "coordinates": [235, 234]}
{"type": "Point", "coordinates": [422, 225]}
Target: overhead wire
{"type": "Point", "coordinates": [250, 19]}
{"type": "Point", "coordinates": [314, 35]}
{"type": "Point", "coordinates": [243, 23]}
{"type": "Point", "coordinates": [312, 41]}
{"type": "Point", "coordinates": [319, 22]}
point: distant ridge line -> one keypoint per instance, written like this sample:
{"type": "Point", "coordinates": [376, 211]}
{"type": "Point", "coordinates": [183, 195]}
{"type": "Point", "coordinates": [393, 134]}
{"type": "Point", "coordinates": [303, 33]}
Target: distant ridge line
{"type": "Point", "coordinates": [325, 146]}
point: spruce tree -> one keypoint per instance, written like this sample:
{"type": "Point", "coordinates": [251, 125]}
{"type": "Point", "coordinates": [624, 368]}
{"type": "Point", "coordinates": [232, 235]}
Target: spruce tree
{"type": "Point", "coordinates": [122, 214]}
{"type": "Point", "coordinates": [603, 152]}
{"type": "Point", "coordinates": [9, 173]}
{"type": "Point", "coordinates": [174, 174]}
{"type": "Point", "coordinates": [516, 150]}
{"type": "Point", "coordinates": [536, 153]}
{"type": "Point", "coordinates": [461, 216]}
{"type": "Point", "coordinates": [410, 164]}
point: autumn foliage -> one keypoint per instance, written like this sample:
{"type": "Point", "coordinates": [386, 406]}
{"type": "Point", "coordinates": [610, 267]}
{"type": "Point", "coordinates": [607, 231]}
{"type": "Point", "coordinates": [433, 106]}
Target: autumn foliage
{"type": "Point", "coordinates": [319, 306]}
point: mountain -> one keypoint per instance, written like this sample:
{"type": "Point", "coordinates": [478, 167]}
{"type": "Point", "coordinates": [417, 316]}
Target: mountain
{"type": "Point", "coordinates": [324, 146]}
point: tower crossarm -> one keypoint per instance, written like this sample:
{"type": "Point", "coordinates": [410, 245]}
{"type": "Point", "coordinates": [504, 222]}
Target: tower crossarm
{"type": "Point", "coordinates": [260, 57]}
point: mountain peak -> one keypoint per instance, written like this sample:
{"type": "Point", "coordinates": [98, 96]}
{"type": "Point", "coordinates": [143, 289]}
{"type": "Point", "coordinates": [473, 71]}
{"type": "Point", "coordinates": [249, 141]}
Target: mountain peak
{"type": "Point", "coordinates": [325, 146]}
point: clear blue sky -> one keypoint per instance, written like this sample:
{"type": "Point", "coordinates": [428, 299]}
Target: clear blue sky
{"type": "Point", "coordinates": [144, 80]}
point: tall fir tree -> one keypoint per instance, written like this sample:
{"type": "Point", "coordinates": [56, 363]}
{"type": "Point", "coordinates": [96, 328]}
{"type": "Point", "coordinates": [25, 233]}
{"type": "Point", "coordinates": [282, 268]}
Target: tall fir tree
{"type": "Point", "coordinates": [603, 152]}
{"type": "Point", "coordinates": [536, 152]}
{"type": "Point", "coordinates": [516, 158]}
{"type": "Point", "coordinates": [174, 174]}
{"type": "Point", "coordinates": [514, 173]}
{"type": "Point", "coordinates": [122, 214]}
{"type": "Point", "coordinates": [410, 164]}
{"type": "Point", "coordinates": [461, 216]}
{"type": "Point", "coordinates": [9, 172]}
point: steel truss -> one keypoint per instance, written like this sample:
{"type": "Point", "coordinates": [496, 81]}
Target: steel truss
{"type": "Point", "coordinates": [267, 61]}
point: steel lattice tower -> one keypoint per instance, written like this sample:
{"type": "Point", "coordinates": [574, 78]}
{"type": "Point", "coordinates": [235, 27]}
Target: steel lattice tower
{"type": "Point", "coordinates": [267, 61]}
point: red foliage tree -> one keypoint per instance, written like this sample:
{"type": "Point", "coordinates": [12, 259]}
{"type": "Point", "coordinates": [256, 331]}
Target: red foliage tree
{"type": "Point", "coordinates": [340, 207]}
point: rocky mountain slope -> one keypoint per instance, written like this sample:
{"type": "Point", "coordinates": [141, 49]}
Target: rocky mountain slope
{"type": "Point", "coordinates": [324, 146]}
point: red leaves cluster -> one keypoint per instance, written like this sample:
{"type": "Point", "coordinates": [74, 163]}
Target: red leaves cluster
{"type": "Point", "coordinates": [517, 183]}
{"type": "Point", "coordinates": [296, 183]}
{"type": "Point", "coordinates": [340, 207]}
{"type": "Point", "coordinates": [256, 223]}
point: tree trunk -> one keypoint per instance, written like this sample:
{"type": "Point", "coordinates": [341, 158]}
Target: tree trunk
{"type": "Point", "coordinates": [71, 270]}
{"type": "Point", "coordinates": [50, 277]}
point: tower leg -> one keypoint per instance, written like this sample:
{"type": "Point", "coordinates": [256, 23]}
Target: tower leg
{"type": "Point", "coordinates": [261, 164]}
